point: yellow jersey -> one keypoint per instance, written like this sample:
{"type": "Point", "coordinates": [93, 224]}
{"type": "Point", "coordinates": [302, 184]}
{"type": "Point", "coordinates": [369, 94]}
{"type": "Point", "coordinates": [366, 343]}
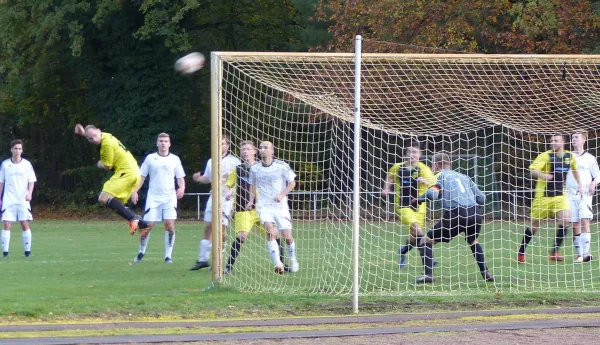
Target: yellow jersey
{"type": "Point", "coordinates": [550, 162]}
{"type": "Point", "coordinates": [405, 181]}
{"type": "Point", "coordinates": [115, 155]}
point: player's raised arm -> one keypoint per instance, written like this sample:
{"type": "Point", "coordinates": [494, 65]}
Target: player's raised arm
{"type": "Point", "coordinates": [79, 130]}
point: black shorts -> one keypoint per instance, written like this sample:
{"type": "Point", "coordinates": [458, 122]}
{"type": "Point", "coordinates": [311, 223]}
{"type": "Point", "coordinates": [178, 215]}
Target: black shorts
{"type": "Point", "coordinates": [458, 220]}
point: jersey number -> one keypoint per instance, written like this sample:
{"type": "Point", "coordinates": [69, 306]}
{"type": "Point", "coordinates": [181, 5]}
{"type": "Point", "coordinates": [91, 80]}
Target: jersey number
{"type": "Point", "coordinates": [460, 185]}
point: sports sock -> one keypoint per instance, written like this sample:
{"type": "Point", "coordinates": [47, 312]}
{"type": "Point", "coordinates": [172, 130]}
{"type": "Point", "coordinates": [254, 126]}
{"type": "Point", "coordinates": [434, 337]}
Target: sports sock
{"type": "Point", "coordinates": [117, 206]}
{"type": "Point", "coordinates": [273, 250]}
{"type": "Point", "coordinates": [169, 242]}
{"type": "Point", "coordinates": [205, 247]}
{"type": "Point", "coordinates": [561, 232]}
{"type": "Point", "coordinates": [144, 243]}
{"type": "Point", "coordinates": [5, 240]}
{"type": "Point", "coordinates": [26, 239]}
{"type": "Point", "coordinates": [292, 250]}
{"type": "Point", "coordinates": [479, 256]}
{"type": "Point", "coordinates": [526, 239]}
{"type": "Point", "coordinates": [428, 259]}
{"type": "Point", "coordinates": [586, 238]}
{"type": "Point", "coordinates": [280, 249]}
{"type": "Point", "coordinates": [235, 250]}
{"type": "Point", "coordinates": [577, 244]}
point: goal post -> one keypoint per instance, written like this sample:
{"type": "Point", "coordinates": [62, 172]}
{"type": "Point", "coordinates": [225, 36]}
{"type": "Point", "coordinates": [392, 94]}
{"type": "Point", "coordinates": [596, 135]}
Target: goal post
{"type": "Point", "coordinates": [494, 114]}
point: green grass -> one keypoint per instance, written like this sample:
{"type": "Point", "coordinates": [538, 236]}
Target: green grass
{"type": "Point", "coordinates": [83, 270]}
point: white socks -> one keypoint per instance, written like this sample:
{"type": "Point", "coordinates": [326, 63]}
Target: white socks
{"type": "Point", "coordinates": [291, 248]}
{"type": "Point", "coordinates": [205, 250]}
{"type": "Point", "coordinates": [26, 238]}
{"type": "Point", "coordinates": [5, 240]}
{"type": "Point", "coordinates": [273, 249]}
{"type": "Point", "coordinates": [585, 239]}
{"type": "Point", "coordinates": [577, 245]}
{"type": "Point", "coordinates": [169, 242]}
{"type": "Point", "coordinates": [144, 244]}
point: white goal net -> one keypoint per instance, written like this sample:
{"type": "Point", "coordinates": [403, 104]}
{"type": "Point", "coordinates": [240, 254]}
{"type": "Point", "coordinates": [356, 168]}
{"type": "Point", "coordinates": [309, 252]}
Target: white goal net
{"type": "Point", "coordinates": [494, 114]}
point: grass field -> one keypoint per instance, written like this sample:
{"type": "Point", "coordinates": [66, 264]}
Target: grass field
{"type": "Point", "coordinates": [83, 270]}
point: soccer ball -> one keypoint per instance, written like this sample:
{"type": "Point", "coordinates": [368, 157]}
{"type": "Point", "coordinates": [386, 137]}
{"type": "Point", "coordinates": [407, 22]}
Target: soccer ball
{"type": "Point", "coordinates": [190, 63]}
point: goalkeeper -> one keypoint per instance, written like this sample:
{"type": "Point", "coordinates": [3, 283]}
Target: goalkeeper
{"type": "Point", "coordinates": [410, 178]}
{"type": "Point", "coordinates": [461, 205]}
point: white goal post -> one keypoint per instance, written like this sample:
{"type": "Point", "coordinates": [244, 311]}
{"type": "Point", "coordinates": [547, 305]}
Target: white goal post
{"type": "Point", "coordinates": [493, 113]}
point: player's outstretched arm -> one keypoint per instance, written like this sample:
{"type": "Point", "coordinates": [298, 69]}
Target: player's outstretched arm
{"type": "Point", "coordinates": [387, 187]}
{"type": "Point", "coordinates": [79, 129]}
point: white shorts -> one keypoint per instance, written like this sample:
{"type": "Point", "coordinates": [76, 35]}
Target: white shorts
{"type": "Point", "coordinates": [581, 208]}
{"type": "Point", "coordinates": [279, 216]}
{"type": "Point", "coordinates": [16, 212]}
{"type": "Point", "coordinates": [227, 206]}
{"type": "Point", "coordinates": [160, 208]}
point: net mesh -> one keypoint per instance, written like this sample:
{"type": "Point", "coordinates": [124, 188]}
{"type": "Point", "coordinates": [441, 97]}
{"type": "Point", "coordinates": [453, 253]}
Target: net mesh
{"type": "Point", "coordinates": [493, 114]}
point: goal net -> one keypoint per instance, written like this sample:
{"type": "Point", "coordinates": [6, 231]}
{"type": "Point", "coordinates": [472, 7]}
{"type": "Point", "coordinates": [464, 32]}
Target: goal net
{"type": "Point", "coordinates": [494, 114]}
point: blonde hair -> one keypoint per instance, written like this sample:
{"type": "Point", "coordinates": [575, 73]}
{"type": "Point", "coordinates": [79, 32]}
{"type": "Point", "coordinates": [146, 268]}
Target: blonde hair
{"type": "Point", "coordinates": [247, 142]}
{"type": "Point", "coordinates": [163, 135]}
{"type": "Point", "coordinates": [581, 132]}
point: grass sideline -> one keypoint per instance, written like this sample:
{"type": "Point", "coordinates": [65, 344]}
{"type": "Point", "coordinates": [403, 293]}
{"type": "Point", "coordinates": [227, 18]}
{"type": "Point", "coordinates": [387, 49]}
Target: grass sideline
{"type": "Point", "coordinates": [82, 272]}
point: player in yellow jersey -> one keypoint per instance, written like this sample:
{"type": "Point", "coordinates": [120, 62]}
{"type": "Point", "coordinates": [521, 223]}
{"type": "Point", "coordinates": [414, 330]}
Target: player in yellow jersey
{"type": "Point", "coordinates": [411, 178]}
{"type": "Point", "coordinates": [116, 191]}
{"type": "Point", "coordinates": [550, 169]}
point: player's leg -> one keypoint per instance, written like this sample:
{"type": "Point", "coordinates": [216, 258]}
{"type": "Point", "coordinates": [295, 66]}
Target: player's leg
{"type": "Point", "coordinates": [586, 236]}
{"type": "Point", "coordinates": [116, 192]}
{"type": "Point", "coordinates": [206, 242]}
{"type": "Point", "coordinates": [560, 207]}
{"type": "Point", "coordinates": [539, 210]}
{"type": "Point", "coordinates": [272, 246]}
{"type": "Point", "coordinates": [472, 228]}
{"type": "Point", "coordinates": [443, 231]}
{"type": "Point", "coordinates": [144, 239]}
{"type": "Point", "coordinates": [244, 221]}
{"type": "Point", "coordinates": [8, 217]}
{"type": "Point", "coordinates": [284, 223]}
{"type": "Point", "coordinates": [169, 215]}
{"type": "Point", "coordinates": [576, 224]}
{"type": "Point", "coordinates": [169, 240]}
{"type": "Point", "coordinates": [152, 214]}
{"type": "Point", "coordinates": [411, 218]}
{"type": "Point", "coordinates": [24, 216]}
{"type": "Point", "coordinates": [26, 238]}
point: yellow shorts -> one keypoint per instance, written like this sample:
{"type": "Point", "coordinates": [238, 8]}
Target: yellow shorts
{"type": "Point", "coordinates": [121, 185]}
{"type": "Point", "coordinates": [546, 207]}
{"type": "Point", "coordinates": [246, 220]}
{"type": "Point", "coordinates": [409, 216]}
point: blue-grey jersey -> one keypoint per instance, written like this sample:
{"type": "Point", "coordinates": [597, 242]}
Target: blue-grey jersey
{"type": "Point", "coordinates": [454, 190]}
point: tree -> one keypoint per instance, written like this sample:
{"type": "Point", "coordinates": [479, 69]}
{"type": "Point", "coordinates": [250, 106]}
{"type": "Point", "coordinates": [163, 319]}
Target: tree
{"type": "Point", "coordinates": [497, 26]}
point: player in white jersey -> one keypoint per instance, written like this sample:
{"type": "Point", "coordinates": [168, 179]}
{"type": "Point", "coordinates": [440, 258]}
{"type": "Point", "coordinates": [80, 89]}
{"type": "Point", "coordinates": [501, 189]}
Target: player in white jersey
{"type": "Point", "coordinates": [272, 179]}
{"type": "Point", "coordinates": [163, 168]}
{"type": "Point", "coordinates": [16, 181]}
{"type": "Point", "coordinates": [581, 205]}
{"type": "Point", "coordinates": [228, 164]}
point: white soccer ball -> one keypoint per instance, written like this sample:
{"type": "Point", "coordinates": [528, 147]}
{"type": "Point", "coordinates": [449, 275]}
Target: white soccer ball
{"type": "Point", "coordinates": [190, 63]}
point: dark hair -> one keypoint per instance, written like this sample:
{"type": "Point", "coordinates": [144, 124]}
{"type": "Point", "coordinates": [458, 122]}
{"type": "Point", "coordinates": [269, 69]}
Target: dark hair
{"type": "Point", "coordinates": [16, 142]}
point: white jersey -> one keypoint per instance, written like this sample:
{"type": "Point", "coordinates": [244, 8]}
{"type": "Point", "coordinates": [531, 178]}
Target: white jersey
{"type": "Point", "coordinates": [228, 164]}
{"type": "Point", "coordinates": [16, 178]}
{"type": "Point", "coordinates": [163, 170]}
{"type": "Point", "coordinates": [271, 181]}
{"type": "Point", "coordinates": [587, 166]}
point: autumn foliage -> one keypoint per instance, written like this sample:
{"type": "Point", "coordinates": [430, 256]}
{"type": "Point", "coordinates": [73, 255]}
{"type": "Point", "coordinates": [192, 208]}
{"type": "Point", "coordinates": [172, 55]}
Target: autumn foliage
{"type": "Point", "coordinates": [484, 26]}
